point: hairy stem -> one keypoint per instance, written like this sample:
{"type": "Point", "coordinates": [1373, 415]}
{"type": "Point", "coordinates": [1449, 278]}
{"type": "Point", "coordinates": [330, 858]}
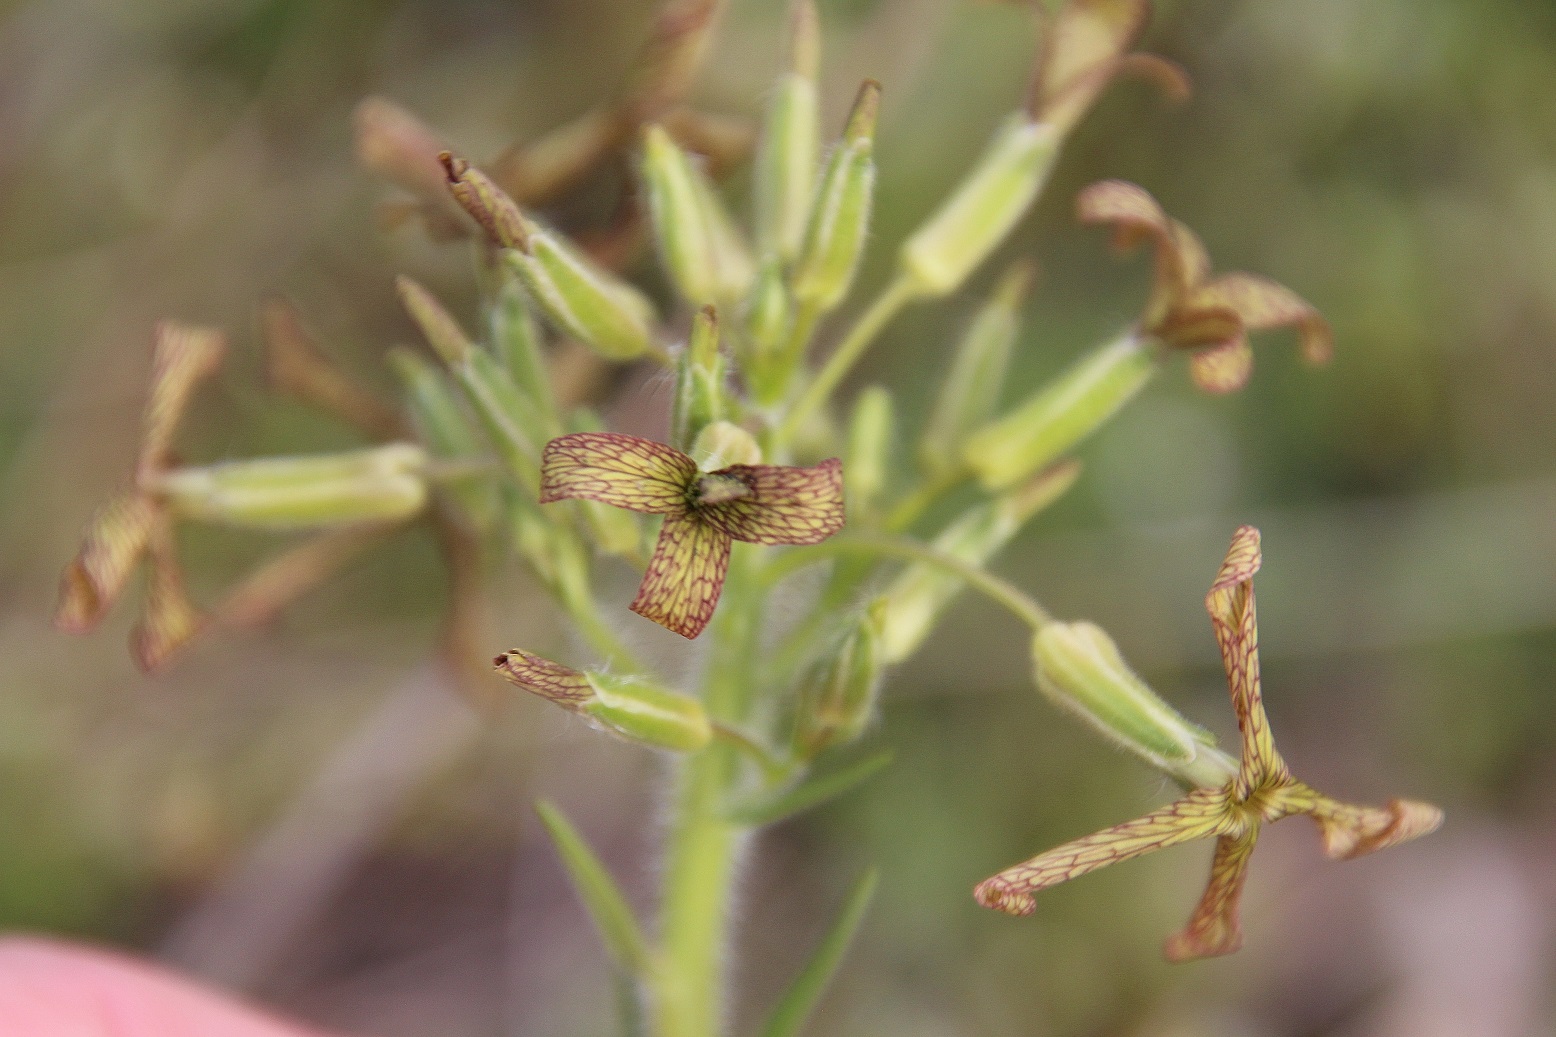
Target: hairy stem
{"type": "Point", "coordinates": [703, 845]}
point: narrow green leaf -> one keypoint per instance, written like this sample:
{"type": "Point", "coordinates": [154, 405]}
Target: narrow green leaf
{"type": "Point", "coordinates": [808, 794]}
{"type": "Point", "coordinates": [617, 925]}
{"type": "Point", "coordinates": [812, 982]}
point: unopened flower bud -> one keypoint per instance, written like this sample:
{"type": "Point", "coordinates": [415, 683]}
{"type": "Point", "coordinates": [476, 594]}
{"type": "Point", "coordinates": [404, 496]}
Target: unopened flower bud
{"type": "Point", "coordinates": [918, 596]}
{"type": "Point", "coordinates": [379, 484]}
{"type": "Point", "coordinates": [699, 381]}
{"type": "Point", "coordinates": [722, 444]}
{"type": "Point", "coordinates": [1057, 417]}
{"type": "Point", "coordinates": [680, 223]}
{"type": "Point", "coordinates": [786, 152]}
{"type": "Point", "coordinates": [437, 326]}
{"type": "Point", "coordinates": [869, 449]}
{"type": "Point", "coordinates": [488, 204]}
{"type": "Point", "coordinates": [838, 695]}
{"type": "Point", "coordinates": [582, 299]}
{"type": "Point", "coordinates": [1079, 668]}
{"type": "Point", "coordinates": [517, 340]}
{"type": "Point", "coordinates": [767, 367]}
{"type": "Point", "coordinates": [971, 390]}
{"type": "Point", "coordinates": [840, 220]}
{"type": "Point", "coordinates": [444, 427]}
{"type": "Point", "coordinates": [631, 707]}
{"type": "Point", "coordinates": [980, 213]}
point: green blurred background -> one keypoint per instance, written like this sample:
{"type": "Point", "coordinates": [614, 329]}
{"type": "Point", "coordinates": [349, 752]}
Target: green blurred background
{"type": "Point", "coordinates": [308, 816]}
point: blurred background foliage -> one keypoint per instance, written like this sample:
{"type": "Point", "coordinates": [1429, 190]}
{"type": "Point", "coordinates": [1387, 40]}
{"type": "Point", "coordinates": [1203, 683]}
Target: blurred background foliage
{"type": "Point", "coordinates": [308, 816]}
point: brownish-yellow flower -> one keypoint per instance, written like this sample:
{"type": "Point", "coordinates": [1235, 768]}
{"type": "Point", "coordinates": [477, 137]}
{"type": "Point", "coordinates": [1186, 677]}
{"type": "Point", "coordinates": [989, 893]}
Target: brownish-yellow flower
{"type": "Point", "coordinates": [1263, 791]}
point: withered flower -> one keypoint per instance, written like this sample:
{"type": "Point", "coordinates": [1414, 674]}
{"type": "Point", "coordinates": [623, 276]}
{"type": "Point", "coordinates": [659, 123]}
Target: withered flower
{"type": "Point", "coordinates": [1188, 309]}
{"type": "Point", "coordinates": [705, 512]}
{"type": "Point", "coordinates": [1263, 791]}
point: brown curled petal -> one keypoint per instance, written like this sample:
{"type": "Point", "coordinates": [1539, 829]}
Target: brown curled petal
{"type": "Point", "coordinates": [1084, 38]}
{"type": "Point", "coordinates": [563, 685]}
{"type": "Point", "coordinates": [685, 575]}
{"type": "Point", "coordinates": [1223, 368]}
{"type": "Point", "coordinates": [623, 471]}
{"type": "Point", "coordinates": [786, 505]}
{"type": "Point", "coordinates": [1215, 927]}
{"type": "Point", "coordinates": [402, 149]}
{"type": "Point", "coordinates": [1137, 217]}
{"type": "Point", "coordinates": [1199, 815]}
{"type": "Point", "coordinates": [1234, 618]}
{"type": "Point", "coordinates": [182, 358]}
{"type": "Point", "coordinates": [487, 204]}
{"type": "Point", "coordinates": [1264, 304]}
{"type": "Point", "coordinates": [1194, 327]}
{"type": "Point", "coordinates": [1351, 831]}
{"type": "Point", "coordinates": [114, 543]}
{"type": "Point", "coordinates": [169, 620]}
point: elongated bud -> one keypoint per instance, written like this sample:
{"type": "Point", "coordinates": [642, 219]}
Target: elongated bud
{"type": "Point", "coordinates": [519, 345]}
{"type": "Point", "coordinates": [380, 484]}
{"type": "Point", "coordinates": [488, 204]}
{"type": "Point", "coordinates": [838, 695]}
{"type": "Point", "coordinates": [1057, 417]}
{"type": "Point", "coordinates": [582, 299]}
{"type": "Point", "coordinates": [437, 326]}
{"type": "Point", "coordinates": [649, 714]}
{"type": "Point", "coordinates": [699, 381]}
{"type": "Point", "coordinates": [835, 238]}
{"type": "Point", "coordinates": [787, 150]}
{"type": "Point", "coordinates": [1079, 668]}
{"type": "Point", "coordinates": [919, 595]}
{"type": "Point", "coordinates": [982, 210]}
{"type": "Point", "coordinates": [629, 706]}
{"type": "Point", "coordinates": [869, 449]}
{"type": "Point", "coordinates": [722, 444]}
{"type": "Point", "coordinates": [971, 391]}
{"type": "Point", "coordinates": [445, 428]}
{"type": "Point", "coordinates": [616, 531]}
{"type": "Point", "coordinates": [680, 223]}
{"type": "Point", "coordinates": [768, 320]}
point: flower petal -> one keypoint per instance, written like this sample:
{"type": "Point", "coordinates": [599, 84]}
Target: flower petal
{"type": "Point", "coordinates": [1199, 815]}
{"type": "Point", "coordinates": [112, 547]}
{"type": "Point", "coordinates": [1080, 51]}
{"type": "Point", "coordinates": [786, 505]}
{"type": "Point", "coordinates": [684, 576]}
{"type": "Point", "coordinates": [624, 471]}
{"type": "Point", "coordinates": [1232, 615]}
{"type": "Point", "coordinates": [563, 685]}
{"type": "Point", "coordinates": [1351, 831]}
{"type": "Point", "coordinates": [182, 358]}
{"type": "Point", "coordinates": [1222, 368]}
{"type": "Point", "coordinates": [1181, 261]}
{"type": "Point", "coordinates": [1264, 304]}
{"type": "Point", "coordinates": [1214, 928]}
{"type": "Point", "coordinates": [169, 619]}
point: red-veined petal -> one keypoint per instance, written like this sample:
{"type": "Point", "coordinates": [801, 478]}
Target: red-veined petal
{"type": "Point", "coordinates": [624, 471]}
{"type": "Point", "coordinates": [114, 544]}
{"type": "Point", "coordinates": [1264, 304]}
{"type": "Point", "coordinates": [685, 575]}
{"type": "Point", "coordinates": [1232, 615]}
{"type": "Point", "coordinates": [182, 358]}
{"type": "Point", "coordinates": [786, 505]}
{"type": "Point", "coordinates": [1215, 928]}
{"type": "Point", "coordinates": [563, 685]}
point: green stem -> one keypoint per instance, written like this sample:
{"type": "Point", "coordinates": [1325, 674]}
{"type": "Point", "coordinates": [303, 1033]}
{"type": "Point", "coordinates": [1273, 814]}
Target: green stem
{"type": "Point", "coordinates": [703, 844]}
{"type": "Point", "coordinates": [1019, 603]}
{"type": "Point", "coordinates": [886, 305]}
{"type": "Point", "coordinates": [908, 509]}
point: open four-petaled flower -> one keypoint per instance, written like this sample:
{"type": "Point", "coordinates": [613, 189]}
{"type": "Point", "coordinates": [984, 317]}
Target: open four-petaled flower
{"type": "Point", "coordinates": [1188, 309]}
{"type": "Point", "coordinates": [704, 512]}
{"type": "Point", "coordinates": [1262, 791]}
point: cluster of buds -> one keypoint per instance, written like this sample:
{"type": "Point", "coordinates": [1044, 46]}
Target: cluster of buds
{"type": "Point", "coordinates": [504, 452]}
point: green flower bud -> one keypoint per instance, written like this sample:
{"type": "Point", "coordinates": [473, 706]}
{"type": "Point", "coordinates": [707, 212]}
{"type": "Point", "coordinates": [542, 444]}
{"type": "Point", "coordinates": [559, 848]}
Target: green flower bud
{"type": "Point", "coordinates": [838, 695]}
{"type": "Point", "coordinates": [767, 368]}
{"type": "Point", "coordinates": [919, 595]}
{"type": "Point", "coordinates": [722, 444]}
{"type": "Point", "coordinates": [442, 332]}
{"type": "Point", "coordinates": [444, 427]}
{"type": "Point", "coordinates": [971, 391]}
{"type": "Point", "coordinates": [680, 222]}
{"type": "Point", "coordinates": [786, 153]}
{"type": "Point", "coordinates": [733, 268]}
{"type": "Point", "coordinates": [982, 210]}
{"type": "Point", "coordinates": [381, 484]}
{"type": "Point", "coordinates": [582, 299]}
{"type": "Point", "coordinates": [1079, 668]}
{"type": "Point", "coordinates": [699, 381]}
{"type": "Point", "coordinates": [1058, 416]}
{"type": "Point", "coordinates": [518, 343]}
{"type": "Point", "coordinates": [869, 449]}
{"type": "Point", "coordinates": [836, 235]}
{"type": "Point", "coordinates": [648, 713]}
